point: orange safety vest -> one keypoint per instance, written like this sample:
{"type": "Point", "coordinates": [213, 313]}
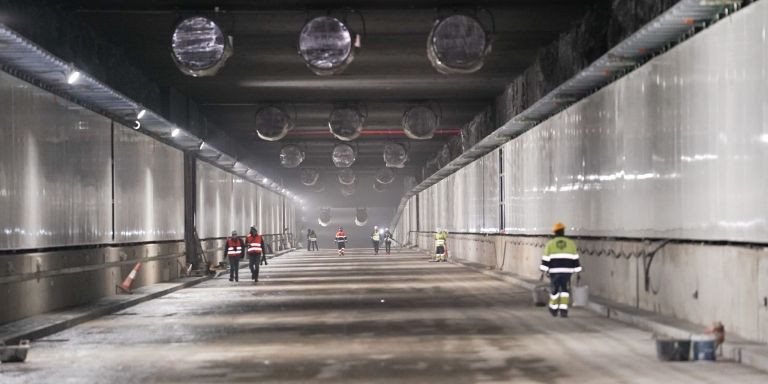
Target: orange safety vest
{"type": "Point", "coordinates": [234, 247]}
{"type": "Point", "coordinates": [254, 244]}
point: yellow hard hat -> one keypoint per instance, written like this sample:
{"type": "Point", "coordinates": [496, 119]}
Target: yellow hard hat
{"type": "Point", "coordinates": [558, 227]}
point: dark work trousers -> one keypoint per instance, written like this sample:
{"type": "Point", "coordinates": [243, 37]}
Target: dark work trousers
{"type": "Point", "coordinates": [560, 295]}
{"type": "Point", "coordinates": [314, 245]}
{"type": "Point", "coordinates": [234, 265]}
{"type": "Point", "coordinates": [375, 247]}
{"type": "Point", "coordinates": [387, 246]}
{"type": "Point", "coordinates": [309, 245]}
{"type": "Point", "coordinates": [253, 265]}
{"type": "Point", "coordinates": [263, 259]}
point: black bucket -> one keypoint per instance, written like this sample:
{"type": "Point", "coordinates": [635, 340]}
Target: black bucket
{"type": "Point", "coordinates": [704, 350]}
{"type": "Point", "coordinates": [673, 350]}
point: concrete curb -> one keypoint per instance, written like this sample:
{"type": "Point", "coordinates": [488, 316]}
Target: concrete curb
{"type": "Point", "coordinates": [751, 354]}
{"type": "Point", "coordinates": [44, 325]}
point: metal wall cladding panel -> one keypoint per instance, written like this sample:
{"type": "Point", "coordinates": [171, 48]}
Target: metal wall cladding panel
{"type": "Point", "coordinates": [490, 199]}
{"type": "Point", "coordinates": [55, 170]}
{"type": "Point", "coordinates": [675, 149]}
{"type": "Point", "coordinates": [149, 188]}
{"type": "Point", "coordinates": [214, 193]}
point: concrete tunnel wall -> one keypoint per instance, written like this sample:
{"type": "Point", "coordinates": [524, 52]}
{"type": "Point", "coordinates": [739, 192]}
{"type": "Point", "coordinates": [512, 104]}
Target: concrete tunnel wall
{"type": "Point", "coordinates": [674, 150]}
{"type": "Point", "coordinates": [83, 198]}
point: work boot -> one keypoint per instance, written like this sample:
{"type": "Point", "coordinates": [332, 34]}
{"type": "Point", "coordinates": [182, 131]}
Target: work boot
{"type": "Point", "coordinates": [553, 312]}
{"type": "Point", "coordinates": [563, 313]}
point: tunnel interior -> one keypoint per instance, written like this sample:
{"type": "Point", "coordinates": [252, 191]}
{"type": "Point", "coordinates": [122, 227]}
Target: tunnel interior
{"type": "Point", "coordinates": [136, 136]}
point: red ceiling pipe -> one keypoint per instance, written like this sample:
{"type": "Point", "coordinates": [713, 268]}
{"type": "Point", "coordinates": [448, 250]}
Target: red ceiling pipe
{"type": "Point", "coordinates": [325, 132]}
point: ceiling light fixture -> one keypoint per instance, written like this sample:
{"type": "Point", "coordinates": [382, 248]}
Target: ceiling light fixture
{"type": "Point", "coordinates": [136, 124]}
{"type": "Point", "coordinates": [175, 132]}
{"type": "Point", "coordinates": [199, 47]}
{"type": "Point", "coordinates": [73, 76]}
{"type": "Point", "coordinates": [141, 114]}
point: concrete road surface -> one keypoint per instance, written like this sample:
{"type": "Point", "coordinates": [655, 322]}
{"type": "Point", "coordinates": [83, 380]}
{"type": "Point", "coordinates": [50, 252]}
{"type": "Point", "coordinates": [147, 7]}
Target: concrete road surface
{"type": "Point", "coordinates": [317, 317]}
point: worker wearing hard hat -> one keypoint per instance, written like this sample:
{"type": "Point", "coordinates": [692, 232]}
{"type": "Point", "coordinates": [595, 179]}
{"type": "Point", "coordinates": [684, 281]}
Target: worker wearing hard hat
{"type": "Point", "coordinates": [559, 261]}
{"type": "Point", "coordinates": [388, 240]}
{"type": "Point", "coordinates": [440, 245]}
{"type": "Point", "coordinates": [376, 238]}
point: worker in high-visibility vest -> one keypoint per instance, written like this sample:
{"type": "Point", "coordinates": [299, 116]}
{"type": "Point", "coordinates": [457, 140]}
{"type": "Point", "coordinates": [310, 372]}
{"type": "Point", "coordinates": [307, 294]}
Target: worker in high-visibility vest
{"type": "Point", "coordinates": [341, 240]}
{"type": "Point", "coordinates": [559, 261]}
{"type": "Point", "coordinates": [376, 238]}
{"type": "Point", "coordinates": [440, 245]}
{"type": "Point", "coordinates": [255, 251]}
{"type": "Point", "coordinates": [235, 252]}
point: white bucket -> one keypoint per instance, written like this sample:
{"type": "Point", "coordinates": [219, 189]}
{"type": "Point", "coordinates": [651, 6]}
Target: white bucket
{"type": "Point", "coordinates": [580, 296]}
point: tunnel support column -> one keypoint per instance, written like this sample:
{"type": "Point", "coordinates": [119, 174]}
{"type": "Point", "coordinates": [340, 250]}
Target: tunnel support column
{"type": "Point", "coordinates": [191, 243]}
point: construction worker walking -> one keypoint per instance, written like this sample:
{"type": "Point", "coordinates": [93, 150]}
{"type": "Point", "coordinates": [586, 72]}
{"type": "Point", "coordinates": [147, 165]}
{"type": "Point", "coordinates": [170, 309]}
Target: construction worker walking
{"type": "Point", "coordinates": [559, 261]}
{"type": "Point", "coordinates": [255, 252]}
{"type": "Point", "coordinates": [375, 237]}
{"type": "Point", "coordinates": [313, 240]}
{"type": "Point", "coordinates": [388, 241]}
{"type": "Point", "coordinates": [440, 245]}
{"type": "Point", "coordinates": [235, 252]}
{"type": "Point", "coordinates": [341, 240]}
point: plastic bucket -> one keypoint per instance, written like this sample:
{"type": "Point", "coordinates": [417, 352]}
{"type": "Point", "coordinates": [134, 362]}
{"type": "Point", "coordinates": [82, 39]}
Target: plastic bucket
{"type": "Point", "coordinates": [580, 296]}
{"type": "Point", "coordinates": [704, 349]}
{"type": "Point", "coordinates": [541, 295]}
{"type": "Point", "coordinates": [673, 350]}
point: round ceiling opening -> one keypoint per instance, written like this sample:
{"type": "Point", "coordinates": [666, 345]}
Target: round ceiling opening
{"type": "Point", "coordinates": [395, 155]}
{"type": "Point", "coordinates": [291, 156]}
{"type": "Point", "coordinates": [326, 45]}
{"type": "Point", "coordinates": [346, 123]}
{"type": "Point", "coordinates": [272, 123]}
{"type": "Point", "coordinates": [458, 44]}
{"type": "Point", "coordinates": [420, 122]}
{"type": "Point", "coordinates": [343, 155]}
{"type": "Point", "coordinates": [199, 47]}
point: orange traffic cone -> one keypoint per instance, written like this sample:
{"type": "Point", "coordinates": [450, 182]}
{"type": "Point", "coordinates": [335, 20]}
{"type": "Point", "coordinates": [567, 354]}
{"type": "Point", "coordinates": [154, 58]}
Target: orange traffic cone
{"type": "Point", "coordinates": [126, 285]}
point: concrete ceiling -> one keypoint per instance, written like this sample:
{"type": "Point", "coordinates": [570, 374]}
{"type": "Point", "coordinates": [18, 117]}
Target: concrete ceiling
{"type": "Point", "coordinates": [390, 72]}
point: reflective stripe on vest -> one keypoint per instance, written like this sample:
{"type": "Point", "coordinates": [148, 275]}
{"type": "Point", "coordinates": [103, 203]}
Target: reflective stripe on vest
{"type": "Point", "coordinates": [440, 242]}
{"type": "Point", "coordinates": [234, 251]}
{"type": "Point", "coordinates": [254, 247]}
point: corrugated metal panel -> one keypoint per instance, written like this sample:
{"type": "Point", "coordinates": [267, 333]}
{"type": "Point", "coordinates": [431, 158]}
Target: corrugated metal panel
{"type": "Point", "coordinates": [678, 22]}
{"type": "Point", "coordinates": [55, 178]}
{"type": "Point", "coordinates": [149, 188]}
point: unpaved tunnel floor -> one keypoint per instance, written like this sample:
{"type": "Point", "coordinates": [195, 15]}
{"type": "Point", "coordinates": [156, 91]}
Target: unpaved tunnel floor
{"type": "Point", "coordinates": [316, 317]}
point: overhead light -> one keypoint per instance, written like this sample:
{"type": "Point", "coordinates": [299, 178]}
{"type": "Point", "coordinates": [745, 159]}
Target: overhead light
{"type": "Point", "coordinates": [265, 180]}
{"type": "Point", "coordinates": [361, 216]}
{"type": "Point", "coordinates": [764, 138]}
{"type": "Point", "coordinates": [458, 44]}
{"type": "Point", "coordinates": [73, 76]}
{"type": "Point", "coordinates": [141, 114]}
{"type": "Point", "coordinates": [199, 47]}
{"type": "Point", "coordinates": [175, 132]}
{"type": "Point", "coordinates": [136, 124]}
{"type": "Point", "coordinates": [347, 176]}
